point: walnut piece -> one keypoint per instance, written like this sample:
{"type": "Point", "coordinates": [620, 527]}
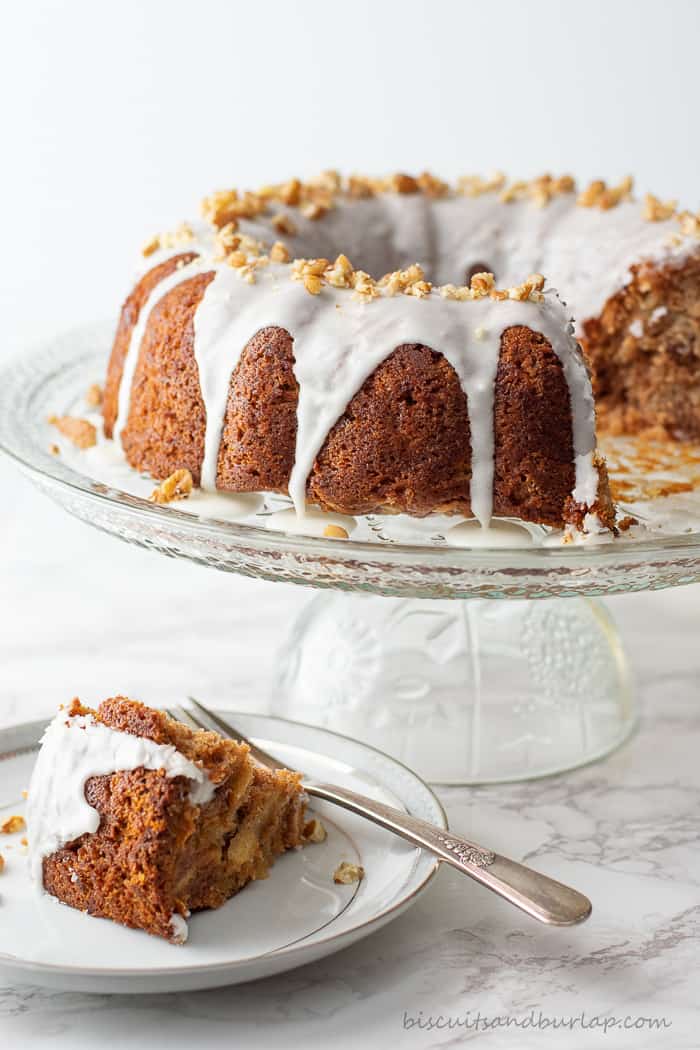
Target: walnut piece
{"type": "Point", "coordinates": [335, 532]}
{"type": "Point", "coordinates": [347, 873]}
{"type": "Point", "coordinates": [599, 195]}
{"type": "Point", "coordinates": [284, 224]}
{"type": "Point", "coordinates": [177, 486]}
{"type": "Point", "coordinates": [279, 252]}
{"type": "Point", "coordinates": [94, 395]}
{"type": "Point", "coordinates": [314, 831]}
{"type": "Point", "coordinates": [81, 432]}
{"type": "Point", "coordinates": [656, 210]}
{"type": "Point", "coordinates": [12, 825]}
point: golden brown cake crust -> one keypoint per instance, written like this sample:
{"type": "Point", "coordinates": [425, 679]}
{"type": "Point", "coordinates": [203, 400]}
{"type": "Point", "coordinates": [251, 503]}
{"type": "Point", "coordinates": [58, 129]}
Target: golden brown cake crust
{"type": "Point", "coordinates": [165, 427]}
{"type": "Point", "coordinates": [402, 444]}
{"type": "Point", "coordinates": [127, 321]}
{"type": "Point", "coordinates": [155, 853]}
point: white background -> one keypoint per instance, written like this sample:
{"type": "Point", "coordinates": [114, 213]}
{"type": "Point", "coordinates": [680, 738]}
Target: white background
{"type": "Point", "coordinates": [116, 119]}
{"type": "Point", "coordinates": [119, 116]}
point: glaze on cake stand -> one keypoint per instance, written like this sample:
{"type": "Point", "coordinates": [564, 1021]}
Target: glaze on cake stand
{"type": "Point", "coordinates": [441, 671]}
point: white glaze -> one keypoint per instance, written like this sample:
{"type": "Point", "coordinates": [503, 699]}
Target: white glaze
{"type": "Point", "coordinates": [179, 927]}
{"type": "Point", "coordinates": [339, 342]}
{"type": "Point", "coordinates": [73, 749]}
{"type": "Point", "coordinates": [500, 533]}
{"type": "Point", "coordinates": [313, 523]}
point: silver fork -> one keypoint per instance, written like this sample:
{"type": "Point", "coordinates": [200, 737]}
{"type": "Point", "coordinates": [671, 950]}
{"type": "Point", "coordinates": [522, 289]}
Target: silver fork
{"type": "Point", "coordinates": [543, 898]}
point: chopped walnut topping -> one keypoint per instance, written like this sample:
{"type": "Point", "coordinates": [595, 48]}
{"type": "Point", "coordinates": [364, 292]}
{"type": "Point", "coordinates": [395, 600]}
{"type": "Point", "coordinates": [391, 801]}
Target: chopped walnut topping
{"type": "Point", "coordinates": [689, 223]}
{"type": "Point", "coordinates": [366, 288]}
{"type": "Point", "coordinates": [12, 825]}
{"type": "Point", "coordinates": [329, 181]}
{"type": "Point", "coordinates": [310, 272]}
{"type": "Point", "coordinates": [599, 195]}
{"type": "Point", "coordinates": [656, 210]}
{"type": "Point", "coordinates": [308, 267]}
{"type": "Point", "coordinates": [540, 190]}
{"type": "Point", "coordinates": [335, 532]}
{"type": "Point", "coordinates": [358, 186]}
{"type": "Point", "coordinates": [475, 185]}
{"type": "Point", "coordinates": [314, 831]}
{"type": "Point", "coordinates": [225, 206]}
{"type": "Point", "coordinates": [340, 273]}
{"type": "Point", "coordinates": [453, 291]}
{"type": "Point", "coordinates": [420, 289]}
{"type": "Point", "coordinates": [483, 285]}
{"type": "Point", "coordinates": [94, 395]}
{"type": "Point", "coordinates": [283, 224]}
{"type": "Point", "coordinates": [236, 259]}
{"type": "Point", "coordinates": [313, 210]}
{"type": "Point", "coordinates": [227, 239]}
{"type": "Point", "coordinates": [432, 186]}
{"type": "Point", "coordinates": [400, 183]}
{"type": "Point", "coordinates": [177, 486]}
{"type": "Point", "coordinates": [530, 289]}
{"type": "Point", "coordinates": [313, 283]}
{"type": "Point", "coordinates": [152, 245]}
{"type": "Point", "coordinates": [279, 252]}
{"type": "Point", "coordinates": [401, 281]}
{"type": "Point", "coordinates": [178, 237]}
{"type": "Point", "coordinates": [290, 192]}
{"type": "Point", "coordinates": [347, 873]}
{"type": "Point", "coordinates": [81, 432]}
{"type": "Point", "coordinates": [515, 191]}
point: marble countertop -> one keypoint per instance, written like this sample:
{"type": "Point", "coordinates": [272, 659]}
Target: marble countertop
{"type": "Point", "coordinates": [84, 614]}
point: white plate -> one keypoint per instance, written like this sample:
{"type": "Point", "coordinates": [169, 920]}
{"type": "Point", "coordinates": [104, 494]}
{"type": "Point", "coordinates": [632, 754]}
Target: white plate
{"type": "Point", "coordinates": [295, 916]}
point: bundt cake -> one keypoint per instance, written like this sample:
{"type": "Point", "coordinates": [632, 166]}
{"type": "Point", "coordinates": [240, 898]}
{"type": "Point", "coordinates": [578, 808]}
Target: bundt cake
{"type": "Point", "coordinates": [454, 386]}
{"type": "Point", "coordinates": [136, 818]}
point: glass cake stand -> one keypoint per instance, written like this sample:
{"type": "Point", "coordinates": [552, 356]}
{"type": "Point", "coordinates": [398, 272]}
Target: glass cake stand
{"type": "Point", "coordinates": [475, 665]}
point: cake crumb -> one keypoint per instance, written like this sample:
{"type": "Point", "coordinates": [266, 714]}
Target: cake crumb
{"type": "Point", "coordinates": [335, 532]}
{"type": "Point", "coordinates": [54, 450]}
{"type": "Point", "coordinates": [81, 432]}
{"type": "Point", "coordinates": [12, 825]}
{"type": "Point", "coordinates": [94, 395]}
{"type": "Point", "coordinates": [2, 863]}
{"type": "Point", "coordinates": [626, 523]}
{"type": "Point", "coordinates": [347, 873]}
{"type": "Point", "coordinates": [314, 831]}
{"type": "Point", "coordinates": [177, 486]}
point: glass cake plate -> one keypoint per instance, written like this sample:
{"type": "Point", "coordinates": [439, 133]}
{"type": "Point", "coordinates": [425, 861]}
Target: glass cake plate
{"type": "Point", "coordinates": [473, 690]}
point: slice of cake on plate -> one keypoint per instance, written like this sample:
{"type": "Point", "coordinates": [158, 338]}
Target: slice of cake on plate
{"type": "Point", "coordinates": [138, 818]}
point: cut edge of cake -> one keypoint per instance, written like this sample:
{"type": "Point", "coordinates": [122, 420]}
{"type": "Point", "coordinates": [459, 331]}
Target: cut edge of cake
{"type": "Point", "coordinates": [137, 818]}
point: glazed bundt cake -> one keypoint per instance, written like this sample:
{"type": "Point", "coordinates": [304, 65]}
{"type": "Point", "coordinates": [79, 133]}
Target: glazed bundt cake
{"type": "Point", "coordinates": [136, 818]}
{"type": "Point", "coordinates": [454, 386]}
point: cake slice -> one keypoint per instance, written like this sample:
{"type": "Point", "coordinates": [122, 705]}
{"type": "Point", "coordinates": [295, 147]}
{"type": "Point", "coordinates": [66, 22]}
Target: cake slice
{"type": "Point", "coordinates": [138, 818]}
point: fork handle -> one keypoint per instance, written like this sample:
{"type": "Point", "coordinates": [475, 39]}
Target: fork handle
{"type": "Point", "coordinates": [543, 898]}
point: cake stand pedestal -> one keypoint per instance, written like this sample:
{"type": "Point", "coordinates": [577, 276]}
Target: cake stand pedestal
{"type": "Point", "coordinates": [462, 691]}
{"type": "Point", "coordinates": [472, 665]}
